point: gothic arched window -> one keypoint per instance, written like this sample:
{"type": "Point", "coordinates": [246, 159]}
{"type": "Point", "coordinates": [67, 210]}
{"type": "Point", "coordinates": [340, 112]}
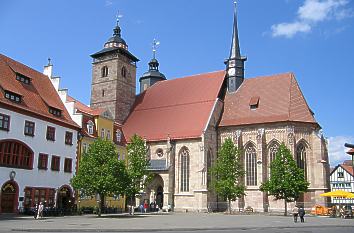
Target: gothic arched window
{"type": "Point", "coordinates": [301, 157]}
{"type": "Point", "coordinates": [273, 148]}
{"type": "Point", "coordinates": [104, 71]}
{"type": "Point", "coordinates": [184, 158]}
{"type": "Point", "coordinates": [251, 166]}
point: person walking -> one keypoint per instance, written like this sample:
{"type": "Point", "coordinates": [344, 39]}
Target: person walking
{"type": "Point", "coordinates": [36, 211]}
{"type": "Point", "coordinates": [40, 210]}
{"type": "Point", "coordinates": [302, 214]}
{"type": "Point", "coordinates": [295, 213]}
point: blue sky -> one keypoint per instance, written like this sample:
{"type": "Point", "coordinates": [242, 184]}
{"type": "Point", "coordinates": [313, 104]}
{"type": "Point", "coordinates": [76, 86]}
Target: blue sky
{"type": "Point", "coordinates": [312, 38]}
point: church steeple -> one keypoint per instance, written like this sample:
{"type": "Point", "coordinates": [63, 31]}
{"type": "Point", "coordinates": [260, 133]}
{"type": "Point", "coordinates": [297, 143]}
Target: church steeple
{"type": "Point", "coordinates": [235, 64]}
{"type": "Point", "coordinates": [152, 76]}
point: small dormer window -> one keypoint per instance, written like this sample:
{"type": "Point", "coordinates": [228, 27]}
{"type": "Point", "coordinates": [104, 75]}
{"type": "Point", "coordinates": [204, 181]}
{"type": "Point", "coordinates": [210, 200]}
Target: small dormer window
{"type": "Point", "coordinates": [55, 111]}
{"type": "Point", "coordinates": [23, 79]}
{"type": "Point", "coordinates": [254, 102]}
{"type": "Point", "coordinates": [13, 97]}
{"type": "Point", "coordinates": [104, 71]}
{"type": "Point", "coordinates": [90, 127]}
{"type": "Point", "coordinates": [118, 135]}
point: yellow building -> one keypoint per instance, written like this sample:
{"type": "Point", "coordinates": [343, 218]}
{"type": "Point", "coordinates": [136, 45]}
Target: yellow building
{"type": "Point", "coordinates": [97, 123]}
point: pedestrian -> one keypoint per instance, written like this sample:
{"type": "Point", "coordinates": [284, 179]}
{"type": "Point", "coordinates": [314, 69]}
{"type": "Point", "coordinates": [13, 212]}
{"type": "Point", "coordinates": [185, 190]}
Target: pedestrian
{"type": "Point", "coordinates": [301, 214]}
{"type": "Point", "coordinates": [36, 211]}
{"type": "Point", "coordinates": [141, 207]}
{"type": "Point", "coordinates": [146, 206]}
{"type": "Point", "coordinates": [40, 210]}
{"type": "Point", "coordinates": [295, 213]}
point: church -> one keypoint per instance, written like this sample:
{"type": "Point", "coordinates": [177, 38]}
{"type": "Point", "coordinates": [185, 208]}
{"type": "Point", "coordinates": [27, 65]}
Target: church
{"type": "Point", "coordinates": [185, 120]}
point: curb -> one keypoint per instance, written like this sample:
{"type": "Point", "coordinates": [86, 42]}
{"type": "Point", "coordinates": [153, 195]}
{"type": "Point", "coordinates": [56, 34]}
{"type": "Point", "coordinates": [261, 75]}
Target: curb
{"type": "Point", "coordinates": [176, 229]}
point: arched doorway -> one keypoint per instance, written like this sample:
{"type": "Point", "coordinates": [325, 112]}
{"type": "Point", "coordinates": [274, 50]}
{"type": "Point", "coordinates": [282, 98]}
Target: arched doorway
{"type": "Point", "coordinates": [154, 191]}
{"type": "Point", "coordinates": [64, 198]}
{"type": "Point", "coordinates": [9, 197]}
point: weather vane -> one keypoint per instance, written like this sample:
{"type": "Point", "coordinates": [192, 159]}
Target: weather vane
{"type": "Point", "coordinates": [155, 43]}
{"type": "Point", "coordinates": [118, 17]}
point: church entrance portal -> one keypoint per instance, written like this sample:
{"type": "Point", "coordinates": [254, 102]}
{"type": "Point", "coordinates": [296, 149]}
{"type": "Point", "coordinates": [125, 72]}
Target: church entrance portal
{"type": "Point", "coordinates": [9, 196]}
{"type": "Point", "coordinates": [155, 191]}
{"type": "Point", "coordinates": [64, 198]}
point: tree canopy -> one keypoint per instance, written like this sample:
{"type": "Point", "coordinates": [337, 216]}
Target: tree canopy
{"type": "Point", "coordinates": [138, 164]}
{"type": "Point", "coordinates": [228, 173]}
{"type": "Point", "coordinates": [286, 181]}
{"type": "Point", "coordinates": [100, 172]}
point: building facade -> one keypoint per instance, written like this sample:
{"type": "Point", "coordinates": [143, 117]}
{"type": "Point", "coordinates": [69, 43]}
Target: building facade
{"type": "Point", "coordinates": [185, 120]}
{"type": "Point", "coordinates": [94, 123]}
{"type": "Point", "coordinates": [37, 141]}
{"type": "Point", "coordinates": [342, 178]}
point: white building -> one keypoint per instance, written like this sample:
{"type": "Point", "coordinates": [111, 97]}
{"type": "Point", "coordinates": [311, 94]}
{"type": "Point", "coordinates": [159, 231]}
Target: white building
{"type": "Point", "coordinates": [38, 141]}
{"type": "Point", "coordinates": [342, 178]}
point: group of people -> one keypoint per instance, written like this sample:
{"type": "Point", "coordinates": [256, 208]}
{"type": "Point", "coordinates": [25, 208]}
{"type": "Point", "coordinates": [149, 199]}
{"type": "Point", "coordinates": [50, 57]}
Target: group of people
{"type": "Point", "coordinates": [299, 212]}
{"type": "Point", "coordinates": [38, 212]}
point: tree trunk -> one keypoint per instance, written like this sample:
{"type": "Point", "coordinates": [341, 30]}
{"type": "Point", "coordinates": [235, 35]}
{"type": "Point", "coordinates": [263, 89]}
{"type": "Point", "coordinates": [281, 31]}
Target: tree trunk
{"type": "Point", "coordinates": [229, 206]}
{"type": "Point", "coordinates": [286, 207]}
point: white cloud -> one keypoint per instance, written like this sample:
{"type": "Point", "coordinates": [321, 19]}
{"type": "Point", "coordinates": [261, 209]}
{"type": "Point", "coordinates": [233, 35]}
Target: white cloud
{"type": "Point", "coordinates": [289, 29]}
{"type": "Point", "coordinates": [336, 150]}
{"type": "Point", "coordinates": [310, 14]}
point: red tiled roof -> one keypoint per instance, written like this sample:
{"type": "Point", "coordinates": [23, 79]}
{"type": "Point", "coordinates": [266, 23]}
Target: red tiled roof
{"type": "Point", "coordinates": [348, 168]}
{"type": "Point", "coordinates": [351, 151]}
{"type": "Point", "coordinates": [81, 107]}
{"type": "Point", "coordinates": [36, 97]}
{"type": "Point", "coordinates": [280, 99]}
{"type": "Point", "coordinates": [178, 108]}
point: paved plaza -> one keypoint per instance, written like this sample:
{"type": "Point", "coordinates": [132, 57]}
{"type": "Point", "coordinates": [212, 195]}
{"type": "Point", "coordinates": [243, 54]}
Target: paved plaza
{"type": "Point", "coordinates": [177, 222]}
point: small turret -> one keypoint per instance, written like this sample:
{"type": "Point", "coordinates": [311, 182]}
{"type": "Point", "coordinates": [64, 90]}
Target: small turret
{"type": "Point", "coordinates": [152, 76]}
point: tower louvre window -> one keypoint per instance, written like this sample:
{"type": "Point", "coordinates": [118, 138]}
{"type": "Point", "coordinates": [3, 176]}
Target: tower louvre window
{"type": "Point", "coordinates": [104, 71]}
{"type": "Point", "coordinates": [124, 72]}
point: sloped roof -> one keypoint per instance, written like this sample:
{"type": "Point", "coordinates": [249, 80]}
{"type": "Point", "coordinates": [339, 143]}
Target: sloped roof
{"type": "Point", "coordinates": [37, 96]}
{"type": "Point", "coordinates": [177, 108]}
{"type": "Point", "coordinates": [348, 168]}
{"type": "Point", "coordinates": [280, 99]}
{"type": "Point", "coordinates": [81, 107]}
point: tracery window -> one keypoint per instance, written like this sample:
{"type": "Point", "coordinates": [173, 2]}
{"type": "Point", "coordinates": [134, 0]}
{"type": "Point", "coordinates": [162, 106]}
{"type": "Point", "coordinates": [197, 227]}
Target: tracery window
{"type": "Point", "coordinates": [272, 152]}
{"type": "Point", "coordinates": [301, 157]}
{"type": "Point", "coordinates": [184, 158]}
{"type": "Point", "coordinates": [251, 166]}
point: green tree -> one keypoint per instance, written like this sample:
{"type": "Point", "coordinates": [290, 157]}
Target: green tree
{"type": "Point", "coordinates": [100, 172]}
{"type": "Point", "coordinates": [287, 181]}
{"type": "Point", "coordinates": [138, 164]}
{"type": "Point", "coordinates": [228, 173]}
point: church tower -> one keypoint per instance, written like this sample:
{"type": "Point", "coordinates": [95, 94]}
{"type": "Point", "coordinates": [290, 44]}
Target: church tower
{"type": "Point", "coordinates": [114, 77]}
{"type": "Point", "coordinates": [235, 64]}
{"type": "Point", "coordinates": [153, 75]}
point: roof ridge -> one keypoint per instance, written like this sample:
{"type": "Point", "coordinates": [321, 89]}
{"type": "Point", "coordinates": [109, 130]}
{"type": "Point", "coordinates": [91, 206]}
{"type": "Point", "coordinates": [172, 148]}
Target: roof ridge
{"type": "Point", "coordinates": [174, 105]}
{"type": "Point", "coordinates": [20, 63]}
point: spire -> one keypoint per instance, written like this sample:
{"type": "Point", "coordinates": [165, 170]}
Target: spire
{"type": "Point", "coordinates": [235, 64]}
{"type": "Point", "coordinates": [235, 45]}
{"type": "Point", "coordinates": [117, 30]}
